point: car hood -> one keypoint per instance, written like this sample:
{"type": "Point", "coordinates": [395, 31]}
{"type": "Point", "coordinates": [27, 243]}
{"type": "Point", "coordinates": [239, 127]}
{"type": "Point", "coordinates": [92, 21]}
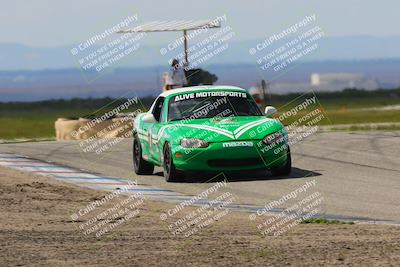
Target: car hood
{"type": "Point", "coordinates": [224, 129]}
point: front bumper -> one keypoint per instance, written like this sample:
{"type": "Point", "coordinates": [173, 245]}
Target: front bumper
{"type": "Point", "coordinates": [229, 156]}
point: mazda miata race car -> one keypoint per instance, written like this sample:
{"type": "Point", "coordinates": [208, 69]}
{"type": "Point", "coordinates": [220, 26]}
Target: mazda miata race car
{"type": "Point", "coordinates": [211, 129]}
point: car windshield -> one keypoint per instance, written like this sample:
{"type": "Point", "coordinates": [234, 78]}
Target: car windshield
{"type": "Point", "coordinates": [201, 105]}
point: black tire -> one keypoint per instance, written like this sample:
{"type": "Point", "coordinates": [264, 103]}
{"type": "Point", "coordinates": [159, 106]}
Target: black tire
{"type": "Point", "coordinates": [139, 164]}
{"type": "Point", "coordinates": [171, 174]}
{"type": "Point", "coordinates": [285, 169]}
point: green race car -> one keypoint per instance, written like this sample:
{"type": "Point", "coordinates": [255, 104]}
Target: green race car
{"type": "Point", "coordinates": [211, 129]}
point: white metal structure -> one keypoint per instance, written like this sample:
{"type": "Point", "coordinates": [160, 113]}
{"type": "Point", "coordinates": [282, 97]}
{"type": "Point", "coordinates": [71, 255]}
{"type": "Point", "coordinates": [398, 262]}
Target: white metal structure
{"type": "Point", "coordinates": [176, 25]}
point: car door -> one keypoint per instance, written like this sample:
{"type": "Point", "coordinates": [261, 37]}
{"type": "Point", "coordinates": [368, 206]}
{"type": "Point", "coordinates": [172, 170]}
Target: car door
{"type": "Point", "coordinates": [153, 129]}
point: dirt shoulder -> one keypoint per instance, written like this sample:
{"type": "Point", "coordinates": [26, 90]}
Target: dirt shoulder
{"type": "Point", "coordinates": [36, 230]}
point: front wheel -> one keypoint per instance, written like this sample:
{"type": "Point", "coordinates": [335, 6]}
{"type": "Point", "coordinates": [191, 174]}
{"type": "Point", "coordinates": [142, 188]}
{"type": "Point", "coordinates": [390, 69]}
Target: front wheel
{"type": "Point", "coordinates": [139, 164]}
{"type": "Point", "coordinates": [171, 174]}
{"type": "Point", "coordinates": [285, 169]}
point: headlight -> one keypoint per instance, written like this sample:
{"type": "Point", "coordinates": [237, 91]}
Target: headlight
{"type": "Point", "coordinates": [274, 138]}
{"type": "Point", "coordinates": [193, 143]}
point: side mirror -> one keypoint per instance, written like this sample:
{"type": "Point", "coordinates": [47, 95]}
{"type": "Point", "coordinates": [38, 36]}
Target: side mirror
{"type": "Point", "coordinates": [269, 111]}
{"type": "Point", "coordinates": [149, 118]}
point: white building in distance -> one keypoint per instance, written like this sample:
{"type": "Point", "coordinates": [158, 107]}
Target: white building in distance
{"type": "Point", "coordinates": [340, 81]}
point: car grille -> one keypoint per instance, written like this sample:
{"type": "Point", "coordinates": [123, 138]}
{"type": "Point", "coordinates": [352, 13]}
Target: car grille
{"type": "Point", "coordinates": [235, 162]}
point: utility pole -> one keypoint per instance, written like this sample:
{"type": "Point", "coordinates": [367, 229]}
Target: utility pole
{"type": "Point", "coordinates": [185, 47]}
{"type": "Point", "coordinates": [264, 87]}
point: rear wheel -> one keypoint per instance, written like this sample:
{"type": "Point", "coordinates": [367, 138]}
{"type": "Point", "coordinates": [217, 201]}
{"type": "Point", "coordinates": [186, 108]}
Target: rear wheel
{"type": "Point", "coordinates": [139, 164]}
{"type": "Point", "coordinates": [171, 174]}
{"type": "Point", "coordinates": [285, 169]}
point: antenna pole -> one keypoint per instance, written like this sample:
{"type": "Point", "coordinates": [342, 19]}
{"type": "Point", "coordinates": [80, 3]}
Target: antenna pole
{"type": "Point", "coordinates": [185, 47]}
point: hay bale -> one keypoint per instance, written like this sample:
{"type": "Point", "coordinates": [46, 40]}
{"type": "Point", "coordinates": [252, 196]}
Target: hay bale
{"type": "Point", "coordinates": [83, 128]}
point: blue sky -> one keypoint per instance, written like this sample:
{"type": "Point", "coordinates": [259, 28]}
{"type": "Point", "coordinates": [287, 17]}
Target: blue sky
{"type": "Point", "coordinates": [57, 23]}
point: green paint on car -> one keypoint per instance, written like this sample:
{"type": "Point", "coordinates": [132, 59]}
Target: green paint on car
{"type": "Point", "coordinates": [211, 129]}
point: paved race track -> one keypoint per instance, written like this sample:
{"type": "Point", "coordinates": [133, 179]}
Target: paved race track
{"type": "Point", "coordinates": [357, 173]}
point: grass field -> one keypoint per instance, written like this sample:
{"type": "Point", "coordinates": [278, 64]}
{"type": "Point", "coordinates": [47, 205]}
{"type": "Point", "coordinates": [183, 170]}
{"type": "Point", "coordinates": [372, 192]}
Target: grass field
{"type": "Point", "coordinates": [30, 125]}
{"type": "Point", "coordinates": [36, 119]}
{"type": "Point", "coordinates": [353, 117]}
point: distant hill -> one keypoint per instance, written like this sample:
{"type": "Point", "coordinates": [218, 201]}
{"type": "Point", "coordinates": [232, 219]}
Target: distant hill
{"type": "Point", "coordinates": [22, 57]}
{"type": "Point", "coordinates": [144, 81]}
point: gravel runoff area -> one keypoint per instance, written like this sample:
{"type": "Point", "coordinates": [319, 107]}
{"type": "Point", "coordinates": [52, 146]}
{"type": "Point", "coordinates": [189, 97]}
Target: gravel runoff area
{"type": "Point", "coordinates": [36, 230]}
